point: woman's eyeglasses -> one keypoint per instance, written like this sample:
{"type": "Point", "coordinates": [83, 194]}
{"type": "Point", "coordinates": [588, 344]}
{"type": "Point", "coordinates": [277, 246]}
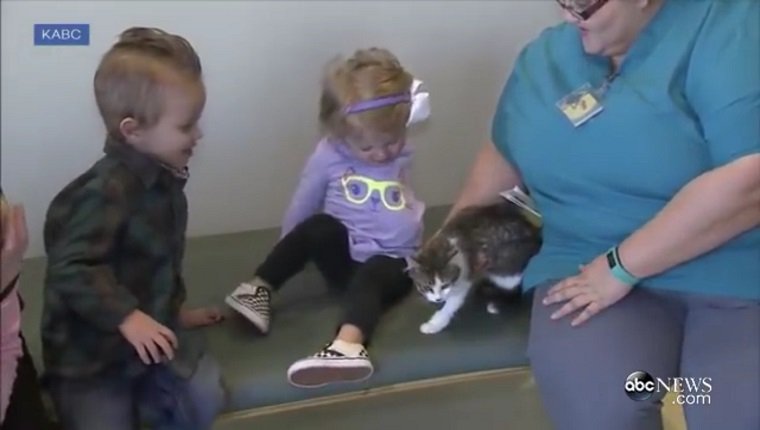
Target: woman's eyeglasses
{"type": "Point", "coordinates": [582, 9]}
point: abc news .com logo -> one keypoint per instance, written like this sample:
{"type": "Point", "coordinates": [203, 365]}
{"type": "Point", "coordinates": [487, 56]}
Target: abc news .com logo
{"type": "Point", "coordinates": [641, 386]}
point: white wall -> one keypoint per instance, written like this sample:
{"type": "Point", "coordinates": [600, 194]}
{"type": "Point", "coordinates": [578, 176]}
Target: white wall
{"type": "Point", "coordinates": [262, 61]}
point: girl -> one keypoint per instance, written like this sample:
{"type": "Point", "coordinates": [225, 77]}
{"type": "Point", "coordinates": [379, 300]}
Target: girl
{"type": "Point", "coordinates": [353, 213]}
{"type": "Point", "coordinates": [21, 405]}
{"type": "Point", "coordinates": [10, 338]}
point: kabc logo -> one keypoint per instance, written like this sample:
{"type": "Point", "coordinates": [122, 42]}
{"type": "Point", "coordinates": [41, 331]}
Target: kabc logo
{"type": "Point", "coordinates": [640, 386]}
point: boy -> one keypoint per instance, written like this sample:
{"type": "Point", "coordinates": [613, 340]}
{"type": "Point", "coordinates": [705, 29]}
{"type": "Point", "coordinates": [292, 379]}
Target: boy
{"type": "Point", "coordinates": [114, 350]}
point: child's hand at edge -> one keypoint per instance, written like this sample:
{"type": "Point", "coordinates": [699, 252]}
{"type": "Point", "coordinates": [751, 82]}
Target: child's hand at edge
{"type": "Point", "coordinates": [200, 317]}
{"type": "Point", "coordinates": [15, 239]}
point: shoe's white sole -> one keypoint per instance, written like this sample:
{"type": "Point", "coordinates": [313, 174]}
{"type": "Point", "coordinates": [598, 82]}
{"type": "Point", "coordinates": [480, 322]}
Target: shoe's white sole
{"type": "Point", "coordinates": [314, 373]}
{"type": "Point", "coordinates": [252, 316]}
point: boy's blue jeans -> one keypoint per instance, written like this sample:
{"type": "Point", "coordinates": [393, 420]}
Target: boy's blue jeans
{"type": "Point", "coordinates": [158, 398]}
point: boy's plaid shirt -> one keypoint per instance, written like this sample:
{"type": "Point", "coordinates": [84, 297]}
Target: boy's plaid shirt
{"type": "Point", "coordinates": [114, 239]}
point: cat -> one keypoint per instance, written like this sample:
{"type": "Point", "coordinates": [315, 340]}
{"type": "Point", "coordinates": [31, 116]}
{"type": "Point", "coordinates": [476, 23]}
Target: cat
{"type": "Point", "coordinates": [481, 244]}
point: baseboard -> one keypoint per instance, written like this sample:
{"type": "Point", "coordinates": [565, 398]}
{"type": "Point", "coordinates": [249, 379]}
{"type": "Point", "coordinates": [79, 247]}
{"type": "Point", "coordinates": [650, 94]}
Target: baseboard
{"type": "Point", "coordinates": [372, 392]}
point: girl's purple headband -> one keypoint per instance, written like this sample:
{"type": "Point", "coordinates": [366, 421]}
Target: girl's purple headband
{"type": "Point", "coordinates": [377, 103]}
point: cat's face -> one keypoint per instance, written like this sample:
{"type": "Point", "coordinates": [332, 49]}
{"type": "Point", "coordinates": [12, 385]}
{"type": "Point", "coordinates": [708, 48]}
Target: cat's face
{"type": "Point", "coordinates": [435, 270]}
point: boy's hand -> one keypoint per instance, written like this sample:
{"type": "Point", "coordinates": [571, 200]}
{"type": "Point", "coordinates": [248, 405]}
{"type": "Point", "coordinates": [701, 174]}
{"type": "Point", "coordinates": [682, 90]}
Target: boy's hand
{"type": "Point", "coordinates": [199, 317]}
{"type": "Point", "coordinates": [150, 339]}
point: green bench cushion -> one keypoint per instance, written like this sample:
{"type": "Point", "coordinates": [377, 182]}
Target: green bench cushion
{"type": "Point", "coordinates": [255, 366]}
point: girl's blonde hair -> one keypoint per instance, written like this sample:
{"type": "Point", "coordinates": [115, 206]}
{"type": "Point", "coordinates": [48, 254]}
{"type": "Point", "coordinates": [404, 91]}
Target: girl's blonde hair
{"type": "Point", "coordinates": [368, 74]}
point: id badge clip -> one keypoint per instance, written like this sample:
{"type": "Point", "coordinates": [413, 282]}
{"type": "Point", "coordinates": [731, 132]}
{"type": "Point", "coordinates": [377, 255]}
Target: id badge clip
{"type": "Point", "coordinates": [581, 105]}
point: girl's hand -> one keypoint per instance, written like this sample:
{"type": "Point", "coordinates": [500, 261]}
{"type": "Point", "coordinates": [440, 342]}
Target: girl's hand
{"type": "Point", "coordinates": [200, 317]}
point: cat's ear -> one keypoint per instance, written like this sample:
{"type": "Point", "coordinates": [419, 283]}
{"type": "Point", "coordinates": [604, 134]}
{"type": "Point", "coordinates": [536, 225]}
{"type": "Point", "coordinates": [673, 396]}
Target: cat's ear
{"type": "Point", "coordinates": [452, 252]}
{"type": "Point", "coordinates": [411, 263]}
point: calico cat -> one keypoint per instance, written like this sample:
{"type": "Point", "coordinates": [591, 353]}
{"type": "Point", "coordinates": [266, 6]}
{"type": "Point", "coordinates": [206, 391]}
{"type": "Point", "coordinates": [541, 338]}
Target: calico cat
{"type": "Point", "coordinates": [491, 244]}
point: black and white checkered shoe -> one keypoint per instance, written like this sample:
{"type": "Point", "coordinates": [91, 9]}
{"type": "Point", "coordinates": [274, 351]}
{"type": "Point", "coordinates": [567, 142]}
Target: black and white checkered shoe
{"type": "Point", "coordinates": [253, 302]}
{"type": "Point", "coordinates": [329, 366]}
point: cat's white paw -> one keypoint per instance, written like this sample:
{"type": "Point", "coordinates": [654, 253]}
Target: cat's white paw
{"type": "Point", "coordinates": [433, 326]}
{"type": "Point", "coordinates": [492, 308]}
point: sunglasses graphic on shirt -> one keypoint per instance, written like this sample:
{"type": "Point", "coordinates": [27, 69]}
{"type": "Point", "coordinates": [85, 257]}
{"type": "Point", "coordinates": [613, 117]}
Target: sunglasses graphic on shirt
{"type": "Point", "coordinates": [358, 189]}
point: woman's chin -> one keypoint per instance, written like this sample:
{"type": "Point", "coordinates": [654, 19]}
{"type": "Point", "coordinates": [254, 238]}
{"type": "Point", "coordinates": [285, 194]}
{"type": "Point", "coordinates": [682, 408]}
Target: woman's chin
{"type": "Point", "coordinates": [591, 47]}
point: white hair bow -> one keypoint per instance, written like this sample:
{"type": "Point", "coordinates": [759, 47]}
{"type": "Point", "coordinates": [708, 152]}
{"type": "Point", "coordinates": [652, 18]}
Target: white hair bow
{"type": "Point", "coordinates": [420, 110]}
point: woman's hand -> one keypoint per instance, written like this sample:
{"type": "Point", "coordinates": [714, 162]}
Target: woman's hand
{"type": "Point", "coordinates": [15, 242]}
{"type": "Point", "coordinates": [593, 289]}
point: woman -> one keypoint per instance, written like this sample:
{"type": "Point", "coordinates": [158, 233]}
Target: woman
{"type": "Point", "coordinates": [21, 404]}
{"type": "Point", "coordinates": [635, 127]}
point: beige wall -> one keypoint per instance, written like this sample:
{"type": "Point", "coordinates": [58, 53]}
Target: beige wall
{"type": "Point", "coordinates": [262, 62]}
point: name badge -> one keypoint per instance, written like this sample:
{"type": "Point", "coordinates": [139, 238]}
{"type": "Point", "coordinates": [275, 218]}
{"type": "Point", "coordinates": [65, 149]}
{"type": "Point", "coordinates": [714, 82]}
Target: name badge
{"type": "Point", "coordinates": [581, 105]}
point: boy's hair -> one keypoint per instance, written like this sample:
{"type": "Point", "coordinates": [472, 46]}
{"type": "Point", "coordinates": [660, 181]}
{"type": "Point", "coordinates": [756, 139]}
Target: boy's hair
{"type": "Point", "coordinates": [368, 74]}
{"type": "Point", "coordinates": [132, 74]}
